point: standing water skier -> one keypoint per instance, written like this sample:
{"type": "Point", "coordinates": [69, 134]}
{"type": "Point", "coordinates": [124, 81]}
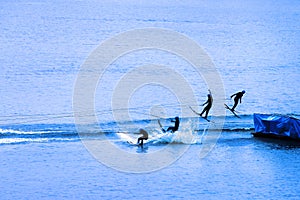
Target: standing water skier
{"type": "Point", "coordinates": [208, 106]}
{"type": "Point", "coordinates": [237, 98]}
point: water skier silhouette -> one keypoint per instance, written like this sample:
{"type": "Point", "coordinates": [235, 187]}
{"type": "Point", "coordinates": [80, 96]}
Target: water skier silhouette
{"type": "Point", "coordinates": [208, 106]}
{"type": "Point", "coordinates": [237, 98]}
{"type": "Point", "coordinates": [172, 128]}
{"type": "Point", "coordinates": [143, 137]}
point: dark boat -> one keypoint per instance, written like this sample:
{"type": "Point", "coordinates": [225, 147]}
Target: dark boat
{"type": "Point", "coordinates": [276, 126]}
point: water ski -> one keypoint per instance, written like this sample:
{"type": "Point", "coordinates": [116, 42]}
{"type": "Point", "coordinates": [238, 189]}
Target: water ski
{"type": "Point", "coordinates": [199, 114]}
{"type": "Point", "coordinates": [134, 144]}
{"type": "Point", "coordinates": [161, 126]}
{"type": "Point", "coordinates": [233, 112]}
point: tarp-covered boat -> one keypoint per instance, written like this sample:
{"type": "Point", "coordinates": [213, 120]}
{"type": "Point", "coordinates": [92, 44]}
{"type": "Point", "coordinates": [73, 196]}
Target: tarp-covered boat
{"type": "Point", "coordinates": [280, 126]}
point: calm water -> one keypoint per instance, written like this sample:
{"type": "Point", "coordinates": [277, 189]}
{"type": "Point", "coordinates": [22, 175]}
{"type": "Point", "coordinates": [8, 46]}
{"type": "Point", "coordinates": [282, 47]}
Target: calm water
{"type": "Point", "coordinates": [254, 46]}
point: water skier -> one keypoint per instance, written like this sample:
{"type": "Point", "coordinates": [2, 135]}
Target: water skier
{"type": "Point", "coordinates": [208, 106]}
{"type": "Point", "coordinates": [237, 98]}
{"type": "Point", "coordinates": [173, 128]}
{"type": "Point", "coordinates": [143, 137]}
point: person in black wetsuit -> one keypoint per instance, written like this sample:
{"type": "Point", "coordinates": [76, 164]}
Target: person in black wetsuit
{"type": "Point", "coordinates": [237, 98]}
{"type": "Point", "coordinates": [208, 106]}
{"type": "Point", "coordinates": [175, 127]}
{"type": "Point", "coordinates": [143, 137]}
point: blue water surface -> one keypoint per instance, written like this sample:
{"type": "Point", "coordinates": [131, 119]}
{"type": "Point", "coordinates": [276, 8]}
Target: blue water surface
{"type": "Point", "coordinates": [254, 46]}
